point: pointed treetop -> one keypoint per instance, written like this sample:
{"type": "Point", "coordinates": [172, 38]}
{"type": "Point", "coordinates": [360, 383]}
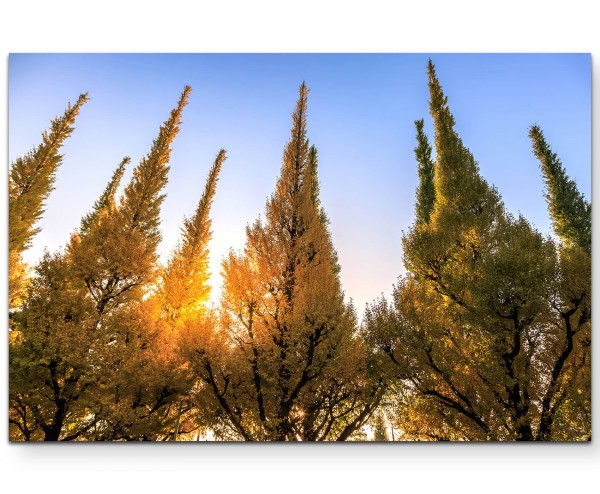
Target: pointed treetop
{"type": "Point", "coordinates": [459, 189]}
{"type": "Point", "coordinates": [570, 212]}
{"type": "Point", "coordinates": [107, 200]}
{"type": "Point", "coordinates": [438, 102]}
{"type": "Point", "coordinates": [185, 279]}
{"type": "Point", "coordinates": [31, 178]}
{"type": "Point", "coordinates": [294, 169]}
{"type": "Point", "coordinates": [142, 197]}
{"type": "Point", "coordinates": [297, 147]}
{"type": "Point", "coordinates": [197, 227]}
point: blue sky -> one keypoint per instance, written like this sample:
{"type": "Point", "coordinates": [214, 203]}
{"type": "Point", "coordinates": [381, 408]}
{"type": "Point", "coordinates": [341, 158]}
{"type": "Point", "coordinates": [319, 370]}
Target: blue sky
{"type": "Point", "coordinates": [361, 113]}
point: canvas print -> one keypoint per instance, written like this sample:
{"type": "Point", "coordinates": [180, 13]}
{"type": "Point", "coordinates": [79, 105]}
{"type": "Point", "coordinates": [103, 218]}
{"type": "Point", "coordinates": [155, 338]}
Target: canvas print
{"type": "Point", "coordinates": [299, 247]}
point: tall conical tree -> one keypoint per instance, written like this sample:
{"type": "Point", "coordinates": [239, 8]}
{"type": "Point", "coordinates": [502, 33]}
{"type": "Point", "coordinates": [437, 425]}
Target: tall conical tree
{"type": "Point", "coordinates": [465, 209]}
{"type": "Point", "coordinates": [143, 196]}
{"type": "Point", "coordinates": [118, 263]}
{"type": "Point", "coordinates": [462, 197]}
{"type": "Point", "coordinates": [182, 298]}
{"type": "Point", "coordinates": [284, 364]}
{"type": "Point", "coordinates": [566, 403]}
{"type": "Point", "coordinates": [80, 360]}
{"type": "Point", "coordinates": [571, 214]}
{"type": "Point", "coordinates": [31, 179]}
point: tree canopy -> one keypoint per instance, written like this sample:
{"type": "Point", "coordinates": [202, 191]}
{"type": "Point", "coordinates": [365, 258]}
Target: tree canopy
{"type": "Point", "coordinates": [487, 336]}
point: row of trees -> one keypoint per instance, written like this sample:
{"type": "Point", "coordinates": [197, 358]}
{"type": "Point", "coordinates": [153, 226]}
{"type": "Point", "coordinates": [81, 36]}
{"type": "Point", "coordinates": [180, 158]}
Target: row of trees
{"type": "Point", "coordinates": [487, 337]}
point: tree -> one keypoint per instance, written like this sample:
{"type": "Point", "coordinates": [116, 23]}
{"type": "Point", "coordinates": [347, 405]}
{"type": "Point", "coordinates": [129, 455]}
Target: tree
{"type": "Point", "coordinates": [117, 258]}
{"type": "Point", "coordinates": [118, 263]}
{"type": "Point", "coordinates": [566, 404]}
{"type": "Point", "coordinates": [183, 295]}
{"type": "Point", "coordinates": [284, 362]}
{"type": "Point", "coordinates": [30, 181]}
{"type": "Point", "coordinates": [470, 340]}
{"type": "Point", "coordinates": [81, 365]}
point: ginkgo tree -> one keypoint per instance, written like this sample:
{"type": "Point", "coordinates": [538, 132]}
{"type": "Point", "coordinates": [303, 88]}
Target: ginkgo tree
{"type": "Point", "coordinates": [79, 354]}
{"type": "Point", "coordinates": [181, 298]}
{"type": "Point", "coordinates": [566, 404]}
{"type": "Point", "coordinates": [487, 336]}
{"type": "Point", "coordinates": [283, 361]}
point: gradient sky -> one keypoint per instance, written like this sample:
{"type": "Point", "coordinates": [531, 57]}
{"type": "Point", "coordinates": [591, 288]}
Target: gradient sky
{"type": "Point", "coordinates": [361, 113]}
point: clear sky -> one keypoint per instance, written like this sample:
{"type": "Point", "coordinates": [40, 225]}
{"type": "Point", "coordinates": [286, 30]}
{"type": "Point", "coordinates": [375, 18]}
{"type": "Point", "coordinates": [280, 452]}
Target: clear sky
{"type": "Point", "coordinates": [361, 113]}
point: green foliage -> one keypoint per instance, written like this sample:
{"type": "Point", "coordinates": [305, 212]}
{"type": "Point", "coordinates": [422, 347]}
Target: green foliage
{"type": "Point", "coordinates": [52, 363]}
{"type": "Point", "coordinates": [482, 342]}
{"type": "Point", "coordinates": [571, 214]}
{"type": "Point", "coordinates": [426, 188]}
